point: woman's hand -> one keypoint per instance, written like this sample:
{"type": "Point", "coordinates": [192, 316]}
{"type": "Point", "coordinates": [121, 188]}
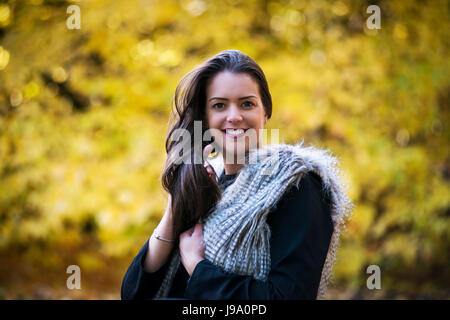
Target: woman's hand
{"type": "Point", "coordinates": [206, 151]}
{"type": "Point", "coordinates": [192, 248]}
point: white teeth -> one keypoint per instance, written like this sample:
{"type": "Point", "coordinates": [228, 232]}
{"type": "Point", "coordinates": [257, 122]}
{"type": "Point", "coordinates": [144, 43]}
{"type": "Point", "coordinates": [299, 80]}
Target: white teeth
{"type": "Point", "coordinates": [235, 131]}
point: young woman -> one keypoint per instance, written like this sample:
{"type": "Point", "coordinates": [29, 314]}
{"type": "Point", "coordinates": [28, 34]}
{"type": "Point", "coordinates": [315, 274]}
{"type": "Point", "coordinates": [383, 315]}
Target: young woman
{"type": "Point", "coordinates": [239, 230]}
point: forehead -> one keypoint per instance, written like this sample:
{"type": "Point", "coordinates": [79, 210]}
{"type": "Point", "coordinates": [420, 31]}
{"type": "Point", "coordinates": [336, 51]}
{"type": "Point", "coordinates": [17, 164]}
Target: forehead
{"type": "Point", "coordinates": [228, 84]}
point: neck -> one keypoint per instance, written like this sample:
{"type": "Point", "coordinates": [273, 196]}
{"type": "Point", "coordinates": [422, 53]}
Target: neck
{"type": "Point", "coordinates": [233, 168]}
{"type": "Point", "coordinates": [236, 164]}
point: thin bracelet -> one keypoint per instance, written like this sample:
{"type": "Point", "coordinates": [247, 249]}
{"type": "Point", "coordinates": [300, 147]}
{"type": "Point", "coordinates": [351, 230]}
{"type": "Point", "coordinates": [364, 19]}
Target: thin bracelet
{"type": "Point", "coordinates": [157, 236]}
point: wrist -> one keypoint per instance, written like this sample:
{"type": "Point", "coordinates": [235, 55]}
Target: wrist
{"type": "Point", "coordinates": [162, 237]}
{"type": "Point", "coordinates": [194, 265]}
{"type": "Point", "coordinates": [165, 228]}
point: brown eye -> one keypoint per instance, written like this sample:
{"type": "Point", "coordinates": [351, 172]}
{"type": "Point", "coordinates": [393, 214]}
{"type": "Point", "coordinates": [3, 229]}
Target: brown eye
{"type": "Point", "coordinates": [218, 105]}
{"type": "Point", "coordinates": [248, 104]}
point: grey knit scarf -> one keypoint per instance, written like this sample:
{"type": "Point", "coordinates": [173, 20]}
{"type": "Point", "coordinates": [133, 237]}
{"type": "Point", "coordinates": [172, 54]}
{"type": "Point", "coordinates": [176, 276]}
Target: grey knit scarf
{"type": "Point", "coordinates": [235, 233]}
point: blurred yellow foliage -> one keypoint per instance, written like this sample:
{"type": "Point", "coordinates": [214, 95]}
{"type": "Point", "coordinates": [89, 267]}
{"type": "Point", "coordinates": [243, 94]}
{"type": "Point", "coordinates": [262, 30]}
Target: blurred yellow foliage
{"type": "Point", "coordinates": [84, 113]}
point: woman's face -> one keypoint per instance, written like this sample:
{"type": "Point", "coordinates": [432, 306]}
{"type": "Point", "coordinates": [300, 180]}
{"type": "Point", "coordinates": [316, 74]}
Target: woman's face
{"type": "Point", "coordinates": [233, 102]}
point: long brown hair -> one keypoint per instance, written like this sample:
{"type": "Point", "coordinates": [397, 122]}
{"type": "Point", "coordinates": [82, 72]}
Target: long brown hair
{"type": "Point", "coordinates": [193, 191]}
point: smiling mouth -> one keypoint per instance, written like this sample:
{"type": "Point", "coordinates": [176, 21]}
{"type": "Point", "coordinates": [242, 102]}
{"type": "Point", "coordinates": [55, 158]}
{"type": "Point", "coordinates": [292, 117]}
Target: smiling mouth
{"type": "Point", "coordinates": [234, 133]}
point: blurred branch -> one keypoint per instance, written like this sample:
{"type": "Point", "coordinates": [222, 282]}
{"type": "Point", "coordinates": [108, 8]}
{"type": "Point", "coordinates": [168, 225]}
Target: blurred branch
{"type": "Point", "coordinates": [79, 101]}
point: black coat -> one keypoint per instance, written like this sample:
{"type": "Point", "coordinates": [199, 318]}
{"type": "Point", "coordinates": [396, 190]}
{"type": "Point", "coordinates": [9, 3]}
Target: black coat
{"type": "Point", "coordinates": [301, 228]}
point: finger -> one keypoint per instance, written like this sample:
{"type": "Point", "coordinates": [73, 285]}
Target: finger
{"type": "Point", "coordinates": [198, 229]}
{"type": "Point", "coordinates": [211, 172]}
{"type": "Point", "coordinates": [187, 232]}
{"type": "Point", "coordinates": [190, 231]}
{"type": "Point", "coordinates": [207, 150]}
{"type": "Point", "coordinates": [169, 200]}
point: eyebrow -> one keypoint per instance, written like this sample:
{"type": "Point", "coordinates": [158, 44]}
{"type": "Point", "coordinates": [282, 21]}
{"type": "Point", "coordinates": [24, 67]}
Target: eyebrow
{"type": "Point", "coordinates": [219, 98]}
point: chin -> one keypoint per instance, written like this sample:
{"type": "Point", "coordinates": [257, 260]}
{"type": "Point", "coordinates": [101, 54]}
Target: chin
{"type": "Point", "coordinates": [239, 152]}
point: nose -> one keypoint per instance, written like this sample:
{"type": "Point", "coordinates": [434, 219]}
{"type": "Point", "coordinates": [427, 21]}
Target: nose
{"type": "Point", "coordinates": [234, 114]}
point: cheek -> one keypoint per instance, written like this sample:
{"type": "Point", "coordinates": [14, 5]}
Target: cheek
{"type": "Point", "coordinates": [211, 120]}
{"type": "Point", "coordinates": [258, 122]}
